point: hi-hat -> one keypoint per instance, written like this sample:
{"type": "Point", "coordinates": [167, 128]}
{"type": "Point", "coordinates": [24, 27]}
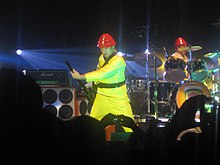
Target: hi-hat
{"type": "Point", "coordinates": [151, 59]}
{"type": "Point", "coordinates": [212, 55]}
{"type": "Point", "coordinates": [191, 48]}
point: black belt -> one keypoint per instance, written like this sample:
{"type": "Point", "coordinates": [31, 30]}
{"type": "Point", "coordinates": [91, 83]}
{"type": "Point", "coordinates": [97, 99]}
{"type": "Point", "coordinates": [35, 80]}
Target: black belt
{"type": "Point", "coordinates": [113, 85]}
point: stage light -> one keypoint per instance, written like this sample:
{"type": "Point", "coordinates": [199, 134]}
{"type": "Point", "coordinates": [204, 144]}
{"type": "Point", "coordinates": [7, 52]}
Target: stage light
{"type": "Point", "coordinates": [120, 53]}
{"type": "Point", "coordinates": [18, 52]}
{"type": "Point", "coordinates": [147, 51]}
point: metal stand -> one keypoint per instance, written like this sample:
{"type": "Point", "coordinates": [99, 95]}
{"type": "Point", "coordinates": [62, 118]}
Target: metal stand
{"type": "Point", "coordinates": [191, 65]}
{"type": "Point", "coordinates": [155, 96]}
{"type": "Point", "coordinates": [155, 90]}
{"type": "Point", "coordinates": [148, 86]}
{"type": "Point", "coordinates": [214, 85]}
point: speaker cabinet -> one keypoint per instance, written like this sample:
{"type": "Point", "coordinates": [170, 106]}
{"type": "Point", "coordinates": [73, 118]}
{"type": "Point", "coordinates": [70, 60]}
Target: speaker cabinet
{"type": "Point", "coordinates": [60, 101]}
{"type": "Point", "coordinates": [82, 106]}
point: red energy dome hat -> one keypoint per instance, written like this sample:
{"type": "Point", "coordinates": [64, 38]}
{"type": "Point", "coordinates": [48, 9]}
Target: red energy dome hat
{"type": "Point", "coordinates": [180, 41]}
{"type": "Point", "coordinates": [106, 41]}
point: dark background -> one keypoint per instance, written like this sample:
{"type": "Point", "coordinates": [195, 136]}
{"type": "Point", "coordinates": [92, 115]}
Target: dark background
{"type": "Point", "coordinates": [76, 25]}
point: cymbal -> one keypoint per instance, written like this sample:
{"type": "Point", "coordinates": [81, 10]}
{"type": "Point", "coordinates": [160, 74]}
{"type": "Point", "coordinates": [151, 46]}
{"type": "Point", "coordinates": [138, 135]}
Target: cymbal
{"type": "Point", "coordinates": [212, 55]}
{"type": "Point", "coordinates": [192, 48]}
{"type": "Point", "coordinates": [141, 59]}
{"type": "Point", "coordinates": [213, 70]}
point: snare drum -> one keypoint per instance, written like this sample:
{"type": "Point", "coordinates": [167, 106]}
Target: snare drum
{"type": "Point", "coordinates": [175, 70]}
{"type": "Point", "coordinates": [181, 92]}
{"type": "Point", "coordinates": [198, 70]}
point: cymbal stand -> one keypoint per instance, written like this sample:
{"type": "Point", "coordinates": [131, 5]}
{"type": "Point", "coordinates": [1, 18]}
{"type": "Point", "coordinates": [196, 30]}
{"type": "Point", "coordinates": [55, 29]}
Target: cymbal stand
{"type": "Point", "coordinates": [214, 85]}
{"type": "Point", "coordinates": [191, 65]}
{"type": "Point", "coordinates": [148, 85]}
{"type": "Point", "coordinates": [155, 89]}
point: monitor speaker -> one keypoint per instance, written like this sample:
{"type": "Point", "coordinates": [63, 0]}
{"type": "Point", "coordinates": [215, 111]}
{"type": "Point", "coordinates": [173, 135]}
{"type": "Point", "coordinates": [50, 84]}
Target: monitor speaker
{"type": "Point", "coordinates": [59, 101]}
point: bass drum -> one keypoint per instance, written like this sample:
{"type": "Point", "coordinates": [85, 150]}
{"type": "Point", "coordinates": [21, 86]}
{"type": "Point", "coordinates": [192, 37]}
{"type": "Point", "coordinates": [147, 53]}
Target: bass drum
{"type": "Point", "coordinates": [181, 92]}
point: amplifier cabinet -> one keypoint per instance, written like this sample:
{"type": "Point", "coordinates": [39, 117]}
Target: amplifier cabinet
{"type": "Point", "coordinates": [45, 77]}
{"type": "Point", "coordinates": [60, 101]}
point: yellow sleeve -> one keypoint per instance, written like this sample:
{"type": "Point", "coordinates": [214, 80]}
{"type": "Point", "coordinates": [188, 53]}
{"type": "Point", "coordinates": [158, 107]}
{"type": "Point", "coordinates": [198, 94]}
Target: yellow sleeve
{"type": "Point", "coordinates": [115, 65]}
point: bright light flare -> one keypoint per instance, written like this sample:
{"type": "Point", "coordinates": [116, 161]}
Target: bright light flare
{"type": "Point", "coordinates": [18, 52]}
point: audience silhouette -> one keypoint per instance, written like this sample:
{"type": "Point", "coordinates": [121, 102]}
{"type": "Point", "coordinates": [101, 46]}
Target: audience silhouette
{"type": "Point", "coordinates": [30, 133]}
{"type": "Point", "coordinates": [27, 132]}
{"type": "Point", "coordinates": [199, 141]}
{"type": "Point", "coordinates": [82, 141]}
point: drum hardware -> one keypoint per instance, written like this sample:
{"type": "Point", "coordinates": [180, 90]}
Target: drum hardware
{"type": "Point", "coordinates": [181, 92]}
{"type": "Point", "coordinates": [137, 84]}
{"type": "Point", "coordinates": [213, 70]}
{"type": "Point", "coordinates": [147, 59]}
{"type": "Point", "coordinates": [212, 55]}
{"type": "Point", "coordinates": [166, 53]}
{"type": "Point", "coordinates": [150, 61]}
{"type": "Point", "coordinates": [214, 87]}
{"type": "Point", "coordinates": [197, 69]}
{"type": "Point", "coordinates": [175, 67]}
{"type": "Point", "coordinates": [174, 70]}
{"type": "Point", "coordinates": [155, 98]}
{"type": "Point", "coordinates": [136, 89]}
{"type": "Point", "coordinates": [191, 48]}
{"type": "Point", "coordinates": [164, 89]}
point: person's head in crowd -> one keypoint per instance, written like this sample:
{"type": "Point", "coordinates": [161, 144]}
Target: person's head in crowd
{"type": "Point", "coordinates": [25, 127]}
{"type": "Point", "coordinates": [85, 137]}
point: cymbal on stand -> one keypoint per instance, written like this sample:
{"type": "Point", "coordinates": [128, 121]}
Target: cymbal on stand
{"type": "Point", "coordinates": [141, 59]}
{"type": "Point", "coordinates": [213, 70]}
{"type": "Point", "coordinates": [212, 55]}
{"type": "Point", "coordinates": [191, 48]}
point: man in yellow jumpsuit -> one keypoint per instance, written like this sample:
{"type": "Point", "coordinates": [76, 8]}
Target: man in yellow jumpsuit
{"type": "Point", "coordinates": [109, 78]}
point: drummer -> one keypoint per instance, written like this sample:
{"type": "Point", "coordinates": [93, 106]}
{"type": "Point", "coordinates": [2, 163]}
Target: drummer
{"type": "Point", "coordinates": [181, 52]}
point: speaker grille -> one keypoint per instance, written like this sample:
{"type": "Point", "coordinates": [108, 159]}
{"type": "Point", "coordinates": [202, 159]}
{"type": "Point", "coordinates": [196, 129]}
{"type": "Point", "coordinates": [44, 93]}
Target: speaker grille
{"type": "Point", "coordinates": [65, 96]}
{"type": "Point", "coordinates": [50, 96]}
{"type": "Point", "coordinates": [65, 112]}
{"type": "Point", "coordinates": [51, 109]}
{"type": "Point", "coordinates": [59, 101]}
{"type": "Point", "coordinates": [82, 106]}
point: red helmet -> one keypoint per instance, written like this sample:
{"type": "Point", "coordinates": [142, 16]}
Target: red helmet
{"type": "Point", "coordinates": [180, 41]}
{"type": "Point", "coordinates": [106, 41]}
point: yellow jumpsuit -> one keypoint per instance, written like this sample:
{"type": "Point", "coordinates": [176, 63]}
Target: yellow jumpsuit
{"type": "Point", "coordinates": [110, 100]}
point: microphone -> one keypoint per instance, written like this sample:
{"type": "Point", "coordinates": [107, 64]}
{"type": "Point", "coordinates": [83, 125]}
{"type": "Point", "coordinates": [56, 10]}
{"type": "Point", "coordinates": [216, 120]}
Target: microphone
{"type": "Point", "coordinates": [166, 53]}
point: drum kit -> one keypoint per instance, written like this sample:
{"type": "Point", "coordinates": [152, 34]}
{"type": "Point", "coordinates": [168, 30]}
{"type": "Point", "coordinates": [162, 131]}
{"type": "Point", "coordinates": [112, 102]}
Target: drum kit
{"type": "Point", "coordinates": [165, 97]}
